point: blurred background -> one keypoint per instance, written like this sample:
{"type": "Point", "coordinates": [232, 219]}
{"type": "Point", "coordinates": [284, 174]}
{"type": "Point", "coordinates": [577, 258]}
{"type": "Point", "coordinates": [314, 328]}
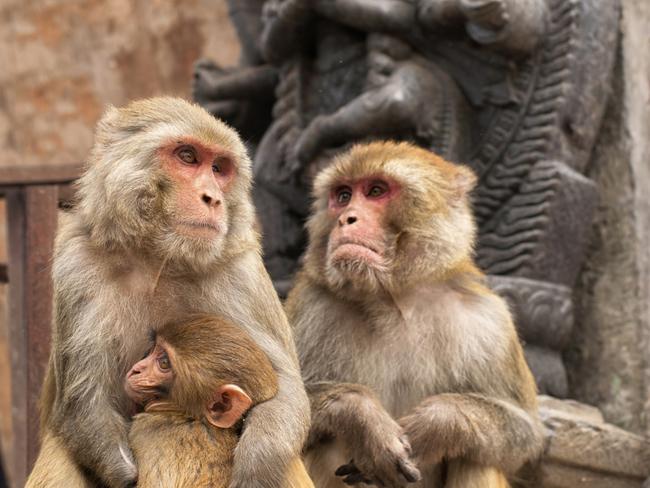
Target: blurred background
{"type": "Point", "coordinates": [63, 61]}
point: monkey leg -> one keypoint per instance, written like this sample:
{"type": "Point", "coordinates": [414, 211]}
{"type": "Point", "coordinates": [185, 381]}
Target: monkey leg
{"type": "Point", "coordinates": [297, 476]}
{"type": "Point", "coordinates": [465, 474]}
{"type": "Point", "coordinates": [55, 467]}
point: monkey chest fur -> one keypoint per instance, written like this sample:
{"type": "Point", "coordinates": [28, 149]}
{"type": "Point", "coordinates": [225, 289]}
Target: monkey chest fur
{"type": "Point", "coordinates": [181, 453]}
{"type": "Point", "coordinates": [435, 342]}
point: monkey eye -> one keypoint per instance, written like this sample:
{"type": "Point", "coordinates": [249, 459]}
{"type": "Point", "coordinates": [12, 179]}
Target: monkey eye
{"type": "Point", "coordinates": [216, 168]}
{"type": "Point", "coordinates": [343, 195]}
{"type": "Point", "coordinates": [164, 363]}
{"type": "Point", "coordinates": [187, 155]}
{"type": "Point", "coordinates": [376, 191]}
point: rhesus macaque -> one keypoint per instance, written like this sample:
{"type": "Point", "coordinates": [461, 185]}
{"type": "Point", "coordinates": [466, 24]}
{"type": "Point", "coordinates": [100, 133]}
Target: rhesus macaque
{"type": "Point", "coordinates": [200, 378]}
{"type": "Point", "coordinates": [410, 361]}
{"type": "Point", "coordinates": [164, 228]}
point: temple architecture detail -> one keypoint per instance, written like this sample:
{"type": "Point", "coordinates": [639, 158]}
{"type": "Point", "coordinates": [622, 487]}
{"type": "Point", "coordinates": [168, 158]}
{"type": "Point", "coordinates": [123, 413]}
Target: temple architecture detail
{"type": "Point", "coordinates": [516, 89]}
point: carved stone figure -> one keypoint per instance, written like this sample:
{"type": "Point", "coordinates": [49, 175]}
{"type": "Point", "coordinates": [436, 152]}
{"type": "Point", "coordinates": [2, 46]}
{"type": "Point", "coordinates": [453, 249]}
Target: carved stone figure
{"type": "Point", "coordinates": [514, 88]}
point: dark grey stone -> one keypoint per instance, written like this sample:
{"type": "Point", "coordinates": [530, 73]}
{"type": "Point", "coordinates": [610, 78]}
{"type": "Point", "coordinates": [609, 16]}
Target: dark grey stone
{"type": "Point", "coordinates": [548, 370]}
{"type": "Point", "coordinates": [543, 312]}
{"type": "Point", "coordinates": [514, 88]}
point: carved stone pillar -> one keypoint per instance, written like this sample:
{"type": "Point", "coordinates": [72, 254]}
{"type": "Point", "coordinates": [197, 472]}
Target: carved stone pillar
{"type": "Point", "coordinates": [514, 88]}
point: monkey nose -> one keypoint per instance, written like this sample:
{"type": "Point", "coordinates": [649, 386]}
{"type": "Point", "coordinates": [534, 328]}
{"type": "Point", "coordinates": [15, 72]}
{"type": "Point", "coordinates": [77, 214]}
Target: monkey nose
{"type": "Point", "coordinates": [347, 220]}
{"type": "Point", "coordinates": [211, 201]}
{"type": "Point", "coordinates": [132, 372]}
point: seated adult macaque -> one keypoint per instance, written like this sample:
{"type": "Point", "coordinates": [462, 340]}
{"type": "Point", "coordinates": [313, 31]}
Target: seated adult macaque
{"type": "Point", "coordinates": [412, 363]}
{"type": "Point", "coordinates": [195, 387]}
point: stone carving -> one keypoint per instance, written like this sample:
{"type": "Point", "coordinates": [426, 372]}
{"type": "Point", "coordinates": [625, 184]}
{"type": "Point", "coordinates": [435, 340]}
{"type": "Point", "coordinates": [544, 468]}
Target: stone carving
{"type": "Point", "coordinates": [514, 88]}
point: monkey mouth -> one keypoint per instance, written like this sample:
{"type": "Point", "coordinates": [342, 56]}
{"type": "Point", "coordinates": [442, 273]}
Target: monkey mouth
{"type": "Point", "coordinates": [354, 250]}
{"type": "Point", "coordinates": [201, 226]}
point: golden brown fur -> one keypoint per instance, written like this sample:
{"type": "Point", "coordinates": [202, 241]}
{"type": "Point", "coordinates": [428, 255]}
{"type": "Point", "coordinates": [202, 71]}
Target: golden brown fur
{"type": "Point", "coordinates": [174, 445]}
{"type": "Point", "coordinates": [419, 347]}
{"type": "Point", "coordinates": [120, 271]}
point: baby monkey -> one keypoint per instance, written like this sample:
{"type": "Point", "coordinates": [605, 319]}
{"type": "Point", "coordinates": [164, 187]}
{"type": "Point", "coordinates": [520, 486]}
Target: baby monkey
{"type": "Point", "coordinates": [193, 389]}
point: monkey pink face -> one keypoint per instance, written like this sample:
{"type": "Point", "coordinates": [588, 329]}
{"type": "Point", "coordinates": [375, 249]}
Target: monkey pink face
{"type": "Point", "coordinates": [359, 208]}
{"type": "Point", "coordinates": [202, 175]}
{"type": "Point", "coordinates": [150, 378]}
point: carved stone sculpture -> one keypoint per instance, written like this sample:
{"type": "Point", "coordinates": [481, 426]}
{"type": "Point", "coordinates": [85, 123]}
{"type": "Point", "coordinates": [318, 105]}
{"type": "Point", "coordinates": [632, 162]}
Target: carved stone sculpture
{"type": "Point", "coordinates": [514, 88]}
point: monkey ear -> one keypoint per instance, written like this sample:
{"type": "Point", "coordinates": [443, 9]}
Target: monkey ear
{"type": "Point", "coordinates": [228, 405]}
{"type": "Point", "coordinates": [465, 180]}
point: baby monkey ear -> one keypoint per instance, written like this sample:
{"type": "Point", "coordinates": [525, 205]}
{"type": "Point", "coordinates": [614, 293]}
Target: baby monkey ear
{"type": "Point", "coordinates": [228, 405]}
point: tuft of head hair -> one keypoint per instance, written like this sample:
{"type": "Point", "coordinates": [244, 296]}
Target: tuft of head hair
{"type": "Point", "coordinates": [431, 223]}
{"type": "Point", "coordinates": [208, 352]}
{"type": "Point", "coordinates": [122, 194]}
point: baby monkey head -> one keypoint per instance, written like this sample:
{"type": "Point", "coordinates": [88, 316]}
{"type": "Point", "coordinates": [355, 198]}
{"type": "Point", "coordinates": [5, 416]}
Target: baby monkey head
{"type": "Point", "coordinates": [205, 368]}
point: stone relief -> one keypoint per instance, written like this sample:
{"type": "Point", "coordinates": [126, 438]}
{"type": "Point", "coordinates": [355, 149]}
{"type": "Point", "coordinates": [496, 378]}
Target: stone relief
{"type": "Point", "coordinates": [516, 89]}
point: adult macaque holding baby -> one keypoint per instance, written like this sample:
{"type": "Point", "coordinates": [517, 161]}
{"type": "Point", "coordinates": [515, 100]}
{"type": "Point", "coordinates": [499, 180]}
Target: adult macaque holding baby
{"type": "Point", "coordinates": [163, 229]}
{"type": "Point", "coordinates": [195, 386]}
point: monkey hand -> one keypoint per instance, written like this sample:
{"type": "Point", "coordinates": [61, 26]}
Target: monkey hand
{"type": "Point", "coordinates": [436, 429]}
{"type": "Point", "coordinates": [381, 455]}
{"type": "Point", "coordinates": [121, 472]}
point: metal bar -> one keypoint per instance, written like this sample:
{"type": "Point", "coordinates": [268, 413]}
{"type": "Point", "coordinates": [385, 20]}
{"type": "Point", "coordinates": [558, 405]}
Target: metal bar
{"type": "Point", "coordinates": [32, 216]}
{"type": "Point", "coordinates": [16, 217]}
{"type": "Point", "coordinates": [39, 174]}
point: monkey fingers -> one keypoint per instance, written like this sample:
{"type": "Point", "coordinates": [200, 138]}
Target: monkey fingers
{"type": "Point", "coordinates": [387, 464]}
{"type": "Point", "coordinates": [351, 474]}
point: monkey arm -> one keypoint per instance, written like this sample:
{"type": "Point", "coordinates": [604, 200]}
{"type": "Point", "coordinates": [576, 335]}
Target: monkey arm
{"type": "Point", "coordinates": [80, 404]}
{"type": "Point", "coordinates": [86, 417]}
{"type": "Point", "coordinates": [353, 414]}
{"type": "Point", "coordinates": [485, 430]}
{"type": "Point", "coordinates": [274, 430]}
{"type": "Point", "coordinates": [97, 439]}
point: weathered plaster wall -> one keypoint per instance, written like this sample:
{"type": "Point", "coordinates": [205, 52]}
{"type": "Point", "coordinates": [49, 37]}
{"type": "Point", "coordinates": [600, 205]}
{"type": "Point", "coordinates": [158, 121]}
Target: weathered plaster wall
{"type": "Point", "coordinates": [62, 61]}
{"type": "Point", "coordinates": [610, 359]}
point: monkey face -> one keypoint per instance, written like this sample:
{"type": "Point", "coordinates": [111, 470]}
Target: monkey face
{"type": "Point", "coordinates": [193, 369]}
{"type": "Point", "coordinates": [168, 179]}
{"type": "Point", "coordinates": [360, 244]}
{"type": "Point", "coordinates": [201, 174]}
{"type": "Point", "coordinates": [386, 216]}
{"type": "Point", "coordinates": [150, 378]}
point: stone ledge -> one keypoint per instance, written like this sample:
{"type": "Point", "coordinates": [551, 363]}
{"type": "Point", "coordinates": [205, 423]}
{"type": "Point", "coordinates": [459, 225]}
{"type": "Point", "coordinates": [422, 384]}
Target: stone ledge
{"type": "Point", "coordinates": [583, 450]}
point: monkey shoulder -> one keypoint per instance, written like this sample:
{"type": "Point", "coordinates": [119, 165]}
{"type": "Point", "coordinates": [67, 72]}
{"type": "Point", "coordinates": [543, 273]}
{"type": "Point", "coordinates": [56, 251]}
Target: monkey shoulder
{"type": "Point", "coordinates": [312, 309]}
